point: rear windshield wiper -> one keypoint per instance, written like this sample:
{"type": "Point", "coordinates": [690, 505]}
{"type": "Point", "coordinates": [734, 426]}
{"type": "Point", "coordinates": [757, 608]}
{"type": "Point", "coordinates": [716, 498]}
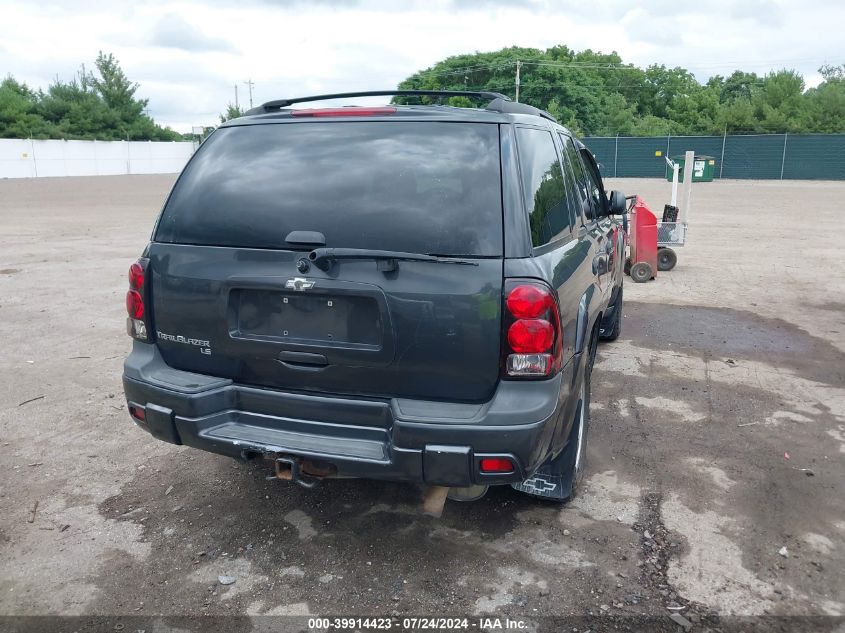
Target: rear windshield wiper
{"type": "Point", "coordinates": [323, 258]}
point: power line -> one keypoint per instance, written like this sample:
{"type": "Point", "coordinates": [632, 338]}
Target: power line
{"type": "Point", "coordinates": [458, 71]}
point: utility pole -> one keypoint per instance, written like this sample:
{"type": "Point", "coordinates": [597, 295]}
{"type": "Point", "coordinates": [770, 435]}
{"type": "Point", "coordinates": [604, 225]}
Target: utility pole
{"type": "Point", "coordinates": [250, 83]}
{"type": "Point", "coordinates": [237, 105]}
{"type": "Point", "coordinates": [518, 66]}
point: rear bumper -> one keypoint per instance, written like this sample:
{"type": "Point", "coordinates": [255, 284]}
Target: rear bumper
{"type": "Point", "coordinates": [397, 439]}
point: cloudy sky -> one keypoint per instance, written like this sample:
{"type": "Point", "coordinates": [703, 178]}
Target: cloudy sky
{"type": "Point", "coordinates": [188, 56]}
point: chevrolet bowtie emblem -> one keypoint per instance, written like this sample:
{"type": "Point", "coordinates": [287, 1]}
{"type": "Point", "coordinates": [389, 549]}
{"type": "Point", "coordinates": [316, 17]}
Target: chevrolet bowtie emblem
{"type": "Point", "coordinates": [299, 284]}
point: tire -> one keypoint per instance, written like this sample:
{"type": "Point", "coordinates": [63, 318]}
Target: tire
{"type": "Point", "coordinates": [666, 259]}
{"type": "Point", "coordinates": [610, 330]}
{"type": "Point", "coordinates": [641, 272]}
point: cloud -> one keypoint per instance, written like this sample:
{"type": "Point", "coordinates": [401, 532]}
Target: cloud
{"type": "Point", "coordinates": [173, 31]}
{"type": "Point", "coordinates": [763, 12]}
{"type": "Point", "coordinates": [505, 4]}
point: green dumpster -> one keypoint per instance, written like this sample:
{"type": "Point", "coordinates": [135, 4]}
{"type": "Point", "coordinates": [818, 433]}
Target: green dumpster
{"type": "Point", "coordinates": [702, 168]}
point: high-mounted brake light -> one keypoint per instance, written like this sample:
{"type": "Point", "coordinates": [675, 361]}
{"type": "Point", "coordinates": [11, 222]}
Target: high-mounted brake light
{"type": "Point", "coordinates": [351, 111]}
{"type": "Point", "coordinates": [532, 336]}
{"type": "Point", "coordinates": [137, 323]}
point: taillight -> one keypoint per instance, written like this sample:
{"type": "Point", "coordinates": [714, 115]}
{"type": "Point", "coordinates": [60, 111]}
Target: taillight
{"type": "Point", "coordinates": [532, 337]}
{"type": "Point", "coordinates": [527, 336]}
{"type": "Point", "coordinates": [529, 302]}
{"type": "Point", "coordinates": [135, 304]}
{"type": "Point", "coordinates": [136, 276]}
{"type": "Point", "coordinates": [136, 324]}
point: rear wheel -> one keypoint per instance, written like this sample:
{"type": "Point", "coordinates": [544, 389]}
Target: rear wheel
{"type": "Point", "coordinates": [666, 259]}
{"type": "Point", "coordinates": [641, 272]}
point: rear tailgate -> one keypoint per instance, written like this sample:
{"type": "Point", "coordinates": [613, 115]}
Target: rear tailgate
{"type": "Point", "coordinates": [229, 299]}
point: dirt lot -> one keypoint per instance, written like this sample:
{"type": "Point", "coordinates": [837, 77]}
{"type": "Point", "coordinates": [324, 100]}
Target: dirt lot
{"type": "Point", "coordinates": [718, 438]}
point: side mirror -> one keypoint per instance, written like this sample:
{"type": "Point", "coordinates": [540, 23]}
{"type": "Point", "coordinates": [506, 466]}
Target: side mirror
{"type": "Point", "coordinates": [618, 204]}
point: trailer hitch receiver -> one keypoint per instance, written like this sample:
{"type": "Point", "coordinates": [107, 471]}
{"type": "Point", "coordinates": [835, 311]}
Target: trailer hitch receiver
{"type": "Point", "coordinates": [289, 468]}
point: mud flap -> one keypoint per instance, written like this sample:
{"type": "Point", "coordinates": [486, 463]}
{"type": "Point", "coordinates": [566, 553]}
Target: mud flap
{"type": "Point", "coordinates": [608, 320]}
{"type": "Point", "coordinates": [553, 480]}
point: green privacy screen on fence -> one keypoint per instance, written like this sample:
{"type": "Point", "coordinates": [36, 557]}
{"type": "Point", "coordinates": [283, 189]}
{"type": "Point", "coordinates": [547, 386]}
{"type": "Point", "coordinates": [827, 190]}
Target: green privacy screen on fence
{"type": "Point", "coordinates": [763, 156]}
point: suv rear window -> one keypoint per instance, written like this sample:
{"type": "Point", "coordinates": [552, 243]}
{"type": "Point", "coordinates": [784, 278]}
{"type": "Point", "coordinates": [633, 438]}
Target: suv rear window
{"type": "Point", "coordinates": [420, 187]}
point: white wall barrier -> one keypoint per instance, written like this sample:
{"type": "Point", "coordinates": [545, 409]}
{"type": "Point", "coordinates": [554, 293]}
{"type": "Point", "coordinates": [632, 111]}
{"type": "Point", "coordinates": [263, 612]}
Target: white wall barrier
{"type": "Point", "coordinates": [25, 158]}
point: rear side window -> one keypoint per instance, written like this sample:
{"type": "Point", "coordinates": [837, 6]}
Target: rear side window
{"type": "Point", "coordinates": [543, 186]}
{"type": "Point", "coordinates": [419, 187]}
{"type": "Point", "coordinates": [583, 186]}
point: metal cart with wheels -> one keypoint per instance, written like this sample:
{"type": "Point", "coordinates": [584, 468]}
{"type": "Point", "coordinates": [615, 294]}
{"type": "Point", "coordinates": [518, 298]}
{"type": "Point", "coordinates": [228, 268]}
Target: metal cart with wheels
{"type": "Point", "coordinates": [669, 234]}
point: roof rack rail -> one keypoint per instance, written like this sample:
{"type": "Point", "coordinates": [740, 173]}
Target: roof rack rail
{"type": "Point", "coordinates": [514, 107]}
{"type": "Point", "coordinates": [283, 103]}
{"type": "Point", "coordinates": [498, 102]}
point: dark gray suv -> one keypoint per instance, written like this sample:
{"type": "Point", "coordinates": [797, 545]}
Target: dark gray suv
{"type": "Point", "coordinates": [407, 292]}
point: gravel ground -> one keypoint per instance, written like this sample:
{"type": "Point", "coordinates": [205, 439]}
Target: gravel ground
{"type": "Point", "coordinates": [716, 471]}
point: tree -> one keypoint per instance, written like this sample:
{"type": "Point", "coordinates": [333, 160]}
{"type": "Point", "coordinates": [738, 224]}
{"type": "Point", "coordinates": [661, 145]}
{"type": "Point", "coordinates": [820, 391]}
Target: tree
{"type": "Point", "coordinates": [695, 113]}
{"type": "Point", "coordinates": [232, 112]}
{"type": "Point", "coordinates": [596, 93]}
{"type": "Point", "coordinates": [779, 102]}
{"type": "Point", "coordinates": [826, 111]}
{"type": "Point", "coordinates": [740, 85]}
{"type": "Point", "coordinates": [19, 117]}
{"type": "Point", "coordinates": [116, 91]}
{"type": "Point", "coordinates": [99, 105]}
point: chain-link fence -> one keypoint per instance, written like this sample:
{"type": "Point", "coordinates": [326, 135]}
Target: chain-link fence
{"type": "Point", "coordinates": [763, 156]}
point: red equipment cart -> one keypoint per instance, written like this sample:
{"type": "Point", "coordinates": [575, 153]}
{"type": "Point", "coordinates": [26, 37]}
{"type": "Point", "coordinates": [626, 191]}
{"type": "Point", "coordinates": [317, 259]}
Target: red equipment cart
{"type": "Point", "coordinates": [642, 239]}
